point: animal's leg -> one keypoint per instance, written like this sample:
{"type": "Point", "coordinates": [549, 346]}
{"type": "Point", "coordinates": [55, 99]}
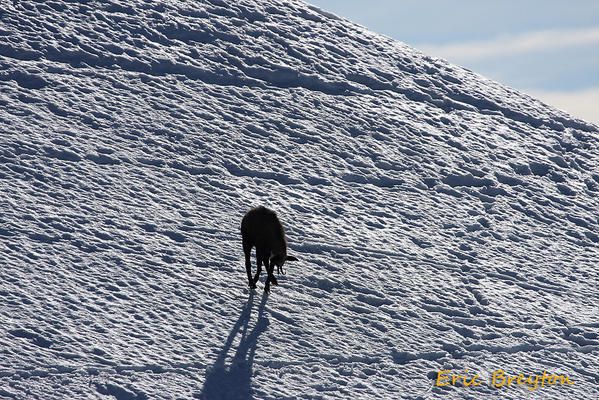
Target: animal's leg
{"type": "Point", "coordinates": [247, 250]}
{"type": "Point", "coordinates": [267, 285]}
{"type": "Point", "coordinates": [259, 260]}
{"type": "Point", "coordinates": [271, 277]}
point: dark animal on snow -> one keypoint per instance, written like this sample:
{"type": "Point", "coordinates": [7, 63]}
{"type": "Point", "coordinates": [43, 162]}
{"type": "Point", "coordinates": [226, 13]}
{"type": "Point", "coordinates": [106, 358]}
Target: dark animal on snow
{"type": "Point", "coordinates": [262, 229]}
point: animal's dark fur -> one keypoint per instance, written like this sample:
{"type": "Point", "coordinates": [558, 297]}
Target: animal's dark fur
{"type": "Point", "coordinates": [262, 229]}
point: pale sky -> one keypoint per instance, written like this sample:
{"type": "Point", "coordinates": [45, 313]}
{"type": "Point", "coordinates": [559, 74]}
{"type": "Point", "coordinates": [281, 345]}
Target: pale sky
{"type": "Point", "coordinates": [546, 48]}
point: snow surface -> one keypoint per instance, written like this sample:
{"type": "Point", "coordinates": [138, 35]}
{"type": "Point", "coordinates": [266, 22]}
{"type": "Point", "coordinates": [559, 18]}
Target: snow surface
{"type": "Point", "coordinates": [442, 220]}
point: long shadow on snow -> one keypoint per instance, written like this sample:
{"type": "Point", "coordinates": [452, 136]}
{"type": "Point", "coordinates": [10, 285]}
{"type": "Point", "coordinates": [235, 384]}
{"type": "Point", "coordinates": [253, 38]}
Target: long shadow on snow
{"type": "Point", "coordinates": [234, 381]}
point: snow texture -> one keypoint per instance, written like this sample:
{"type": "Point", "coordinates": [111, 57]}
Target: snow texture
{"type": "Point", "coordinates": [442, 220]}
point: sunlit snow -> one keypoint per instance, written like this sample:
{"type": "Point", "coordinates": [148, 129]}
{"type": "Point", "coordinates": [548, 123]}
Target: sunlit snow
{"type": "Point", "coordinates": [442, 221]}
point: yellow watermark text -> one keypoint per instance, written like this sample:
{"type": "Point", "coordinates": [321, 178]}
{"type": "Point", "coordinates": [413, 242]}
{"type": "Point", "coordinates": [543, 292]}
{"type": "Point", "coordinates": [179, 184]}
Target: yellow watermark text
{"type": "Point", "coordinates": [501, 379]}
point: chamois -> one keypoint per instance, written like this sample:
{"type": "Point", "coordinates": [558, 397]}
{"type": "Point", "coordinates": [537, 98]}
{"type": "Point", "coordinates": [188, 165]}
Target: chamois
{"type": "Point", "coordinates": [261, 228]}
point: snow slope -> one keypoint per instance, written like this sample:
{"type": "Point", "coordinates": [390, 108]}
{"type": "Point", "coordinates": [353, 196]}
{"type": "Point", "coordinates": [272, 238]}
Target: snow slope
{"type": "Point", "coordinates": [442, 220]}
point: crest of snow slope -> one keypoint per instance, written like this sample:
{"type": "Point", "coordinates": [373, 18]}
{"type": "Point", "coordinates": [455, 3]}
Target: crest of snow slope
{"type": "Point", "coordinates": [443, 221]}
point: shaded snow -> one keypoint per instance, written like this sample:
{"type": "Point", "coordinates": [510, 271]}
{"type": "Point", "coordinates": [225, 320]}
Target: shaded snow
{"type": "Point", "coordinates": [443, 221]}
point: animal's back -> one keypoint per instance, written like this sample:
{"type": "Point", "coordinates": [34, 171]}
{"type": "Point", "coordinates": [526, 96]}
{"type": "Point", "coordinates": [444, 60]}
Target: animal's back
{"type": "Point", "coordinates": [261, 225]}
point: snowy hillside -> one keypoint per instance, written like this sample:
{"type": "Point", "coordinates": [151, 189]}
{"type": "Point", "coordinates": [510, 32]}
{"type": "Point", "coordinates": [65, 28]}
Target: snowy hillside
{"type": "Point", "coordinates": [442, 220]}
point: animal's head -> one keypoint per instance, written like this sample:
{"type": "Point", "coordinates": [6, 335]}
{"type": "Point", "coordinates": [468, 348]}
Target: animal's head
{"type": "Point", "coordinates": [279, 260]}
